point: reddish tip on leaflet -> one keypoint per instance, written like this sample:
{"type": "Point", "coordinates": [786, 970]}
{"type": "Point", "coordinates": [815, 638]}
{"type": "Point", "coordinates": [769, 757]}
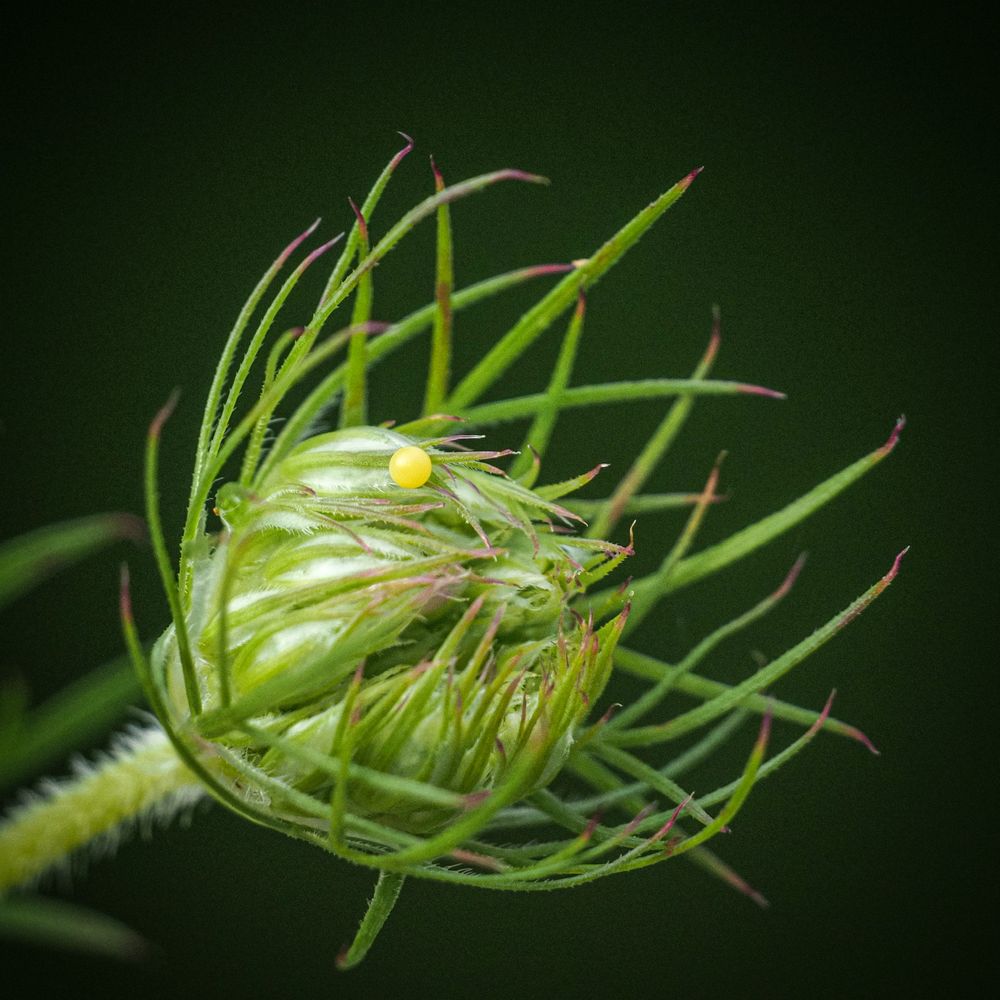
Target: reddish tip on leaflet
{"type": "Point", "coordinates": [359, 215]}
{"type": "Point", "coordinates": [371, 326]}
{"type": "Point", "coordinates": [894, 436]}
{"type": "Point", "coordinates": [891, 575]}
{"type": "Point", "coordinates": [591, 473]}
{"type": "Point", "coordinates": [402, 154]}
{"type": "Point", "coordinates": [863, 603]}
{"type": "Point", "coordinates": [474, 799]}
{"type": "Point", "coordinates": [479, 860]}
{"type": "Point", "coordinates": [446, 416]}
{"type": "Point", "coordinates": [609, 714]}
{"type": "Point", "coordinates": [822, 717]}
{"type": "Point", "coordinates": [319, 251]}
{"type": "Point", "coordinates": [294, 245]}
{"type": "Point", "coordinates": [623, 616]}
{"type": "Point", "coordinates": [714, 339]}
{"type": "Point", "coordinates": [689, 180]}
{"type": "Point", "coordinates": [438, 177]}
{"type": "Point", "coordinates": [741, 885]}
{"type": "Point", "coordinates": [125, 595]}
{"type": "Point", "coordinates": [341, 960]}
{"type": "Point", "coordinates": [634, 822]}
{"type": "Point", "coordinates": [163, 414]}
{"type": "Point", "coordinates": [857, 734]}
{"type": "Point", "coordinates": [523, 175]}
{"type": "Point", "coordinates": [130, 527]}
{"type": "Point", "coordinates": [452, 438]}
{"type": "Point", "coordinates": [665, 829]}
{"type": "Point", "coordinates": [760, 390]}
{"type": "Point", "coordinates": [581, 302]}
{"type": "Point", "coordinates": [592, 824]}
{"type": "Point", "coordinates": [790, 578]}
{"type": "Point", "coordinates": [549, 269]}
{"type": "Point", "coordinates": [629, 549]}
{"type": "Point", "coordinates": [764, 735]}
{"type": "Point", "coordinates": [475, 607]}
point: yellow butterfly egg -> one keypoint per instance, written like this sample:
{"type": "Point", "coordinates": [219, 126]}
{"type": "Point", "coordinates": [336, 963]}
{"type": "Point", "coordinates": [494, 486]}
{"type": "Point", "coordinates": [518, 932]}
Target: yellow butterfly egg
{"type": "Point", "coordinates": [410, 467]}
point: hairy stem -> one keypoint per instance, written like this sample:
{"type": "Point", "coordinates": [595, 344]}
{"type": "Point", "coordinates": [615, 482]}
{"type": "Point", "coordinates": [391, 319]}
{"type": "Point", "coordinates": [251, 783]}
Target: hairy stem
{"type": "Point", "coordinates": [141, 778]}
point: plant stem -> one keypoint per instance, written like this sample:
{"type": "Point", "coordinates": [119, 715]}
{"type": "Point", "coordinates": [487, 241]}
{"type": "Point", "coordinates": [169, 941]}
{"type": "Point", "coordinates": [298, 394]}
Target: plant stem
{"type": "Point", "coordinates": [142, 776]}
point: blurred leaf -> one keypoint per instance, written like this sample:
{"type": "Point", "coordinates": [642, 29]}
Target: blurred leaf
{"type": "Point", "coordinates": [27, 560]}
{"type": "Point", "coordinates": [53, 923]}
{"type": "Point", "coordinates": [67, 721]}
{"type": "Point", "coordinates": [13, 711]}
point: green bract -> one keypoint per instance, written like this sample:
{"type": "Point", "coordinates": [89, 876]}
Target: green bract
{"type": "Point", "coordinates": [415, 679]}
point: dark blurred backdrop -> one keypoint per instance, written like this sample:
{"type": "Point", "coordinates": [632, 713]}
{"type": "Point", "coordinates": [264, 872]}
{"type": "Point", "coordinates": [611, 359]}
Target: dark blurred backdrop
{"type": "Point", "coordinates": [843, 223]}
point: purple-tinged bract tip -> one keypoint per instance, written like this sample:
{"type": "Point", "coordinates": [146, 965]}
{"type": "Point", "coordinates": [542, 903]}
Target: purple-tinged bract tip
{"type": "Point", "coordinates": [125, 594]}
{"type": "Point", "coordinates": [689, 180]}
{"type": "Point", "coordinates": [402, 154]}
{"type": "Point", "coordinates": [791, 577]}
{"type": "Point", "coordinates": [894, 436]}
{"type": "Point", "coordinates": [163, 414]}
{"type": "Point", "coordinates": [760, 390]}
{"type": "Point", "coordinates": [438, 176]}
{"type": "Point", "coordinates": [294, 245]}
{"type": "Point", "coordinates": [359, 216]}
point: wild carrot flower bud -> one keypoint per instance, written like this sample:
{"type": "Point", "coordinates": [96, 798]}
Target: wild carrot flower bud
{"type": "Point", "coordinates": [429, 630]}
{"type": "Point", "coordinates": [386, 644]}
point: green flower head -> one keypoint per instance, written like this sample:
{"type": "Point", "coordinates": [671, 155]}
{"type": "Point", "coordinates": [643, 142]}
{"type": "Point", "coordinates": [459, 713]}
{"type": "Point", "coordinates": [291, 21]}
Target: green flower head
{"type": "Point", "coordinates": [389, 640]}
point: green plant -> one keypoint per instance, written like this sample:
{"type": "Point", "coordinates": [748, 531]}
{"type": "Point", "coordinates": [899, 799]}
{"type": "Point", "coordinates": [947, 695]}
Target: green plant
{"type": "Point", "coordinates": [407, 666]}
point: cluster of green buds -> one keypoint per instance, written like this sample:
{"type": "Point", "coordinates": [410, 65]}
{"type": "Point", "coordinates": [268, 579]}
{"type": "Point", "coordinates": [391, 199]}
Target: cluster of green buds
{"type": "Point", "coordinates": [386, 644]}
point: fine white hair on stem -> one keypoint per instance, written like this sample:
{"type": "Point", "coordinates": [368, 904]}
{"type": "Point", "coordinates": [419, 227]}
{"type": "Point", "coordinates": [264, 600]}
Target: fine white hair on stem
{"type": "Point", "coordinates": [138, 784]}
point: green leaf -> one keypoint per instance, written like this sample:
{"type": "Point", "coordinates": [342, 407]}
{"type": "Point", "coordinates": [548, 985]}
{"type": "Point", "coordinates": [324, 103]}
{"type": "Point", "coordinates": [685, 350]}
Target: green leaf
{"type": "Point", "coordinates": [367, 211]}
{"type": "Point", "coordinates": [440, 365]}
{"type": "Point", "coordinates": [537, 438]}
{"type": "Point", "coordinates": [69, 720]}
{"type": "Point", "coordinates": [324, 394]}
{"type": "Point", "coordinates": [643, 503]}
{"type": "Point", "coordinates": [27, 560]}
{"type": "Point", "coordinates": [655, 448]}
{"type": "Point", "coordinates": [159, 543]}
{"type": "Point", "coordinates": [779, 759]}
{"type": "Point", "coordinates": [53, 923]}
{"type": "Point", "coordinates": [602, 395]}
{"type": "Point", "coordinates": [645, 600]}
{"type": "Point", "coordinates": [387, 890]}
{"type": "Point", "coordinates": [717, 557]}
{"type": "Point", "coordinates": [416, 214]}
{"type": "Point", "coordinates": [671, 675]}
{"type": "Point", "coordinates": [256, 343]}
{"type": "Point", "coordinates": [354, 411]}
{"type": "Point", "coordinates": [732, 697]}
{"type": "Point", "coordinates": [225, 362]}
{"type": "Point", "coordinates": [740, 791]}
{"type": "Point", "coordinates": [703, 688]}
{"type": "Point", "coordinates": [537, 319]}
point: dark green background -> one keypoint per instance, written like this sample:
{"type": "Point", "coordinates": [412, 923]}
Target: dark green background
{"type": "Point", "coordinates": [843, 223]}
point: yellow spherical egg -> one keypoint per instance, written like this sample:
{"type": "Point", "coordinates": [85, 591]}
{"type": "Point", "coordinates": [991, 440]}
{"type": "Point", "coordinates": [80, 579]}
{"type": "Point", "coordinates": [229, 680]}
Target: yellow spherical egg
{"type": "Point", "coordinates": [410, 467]}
